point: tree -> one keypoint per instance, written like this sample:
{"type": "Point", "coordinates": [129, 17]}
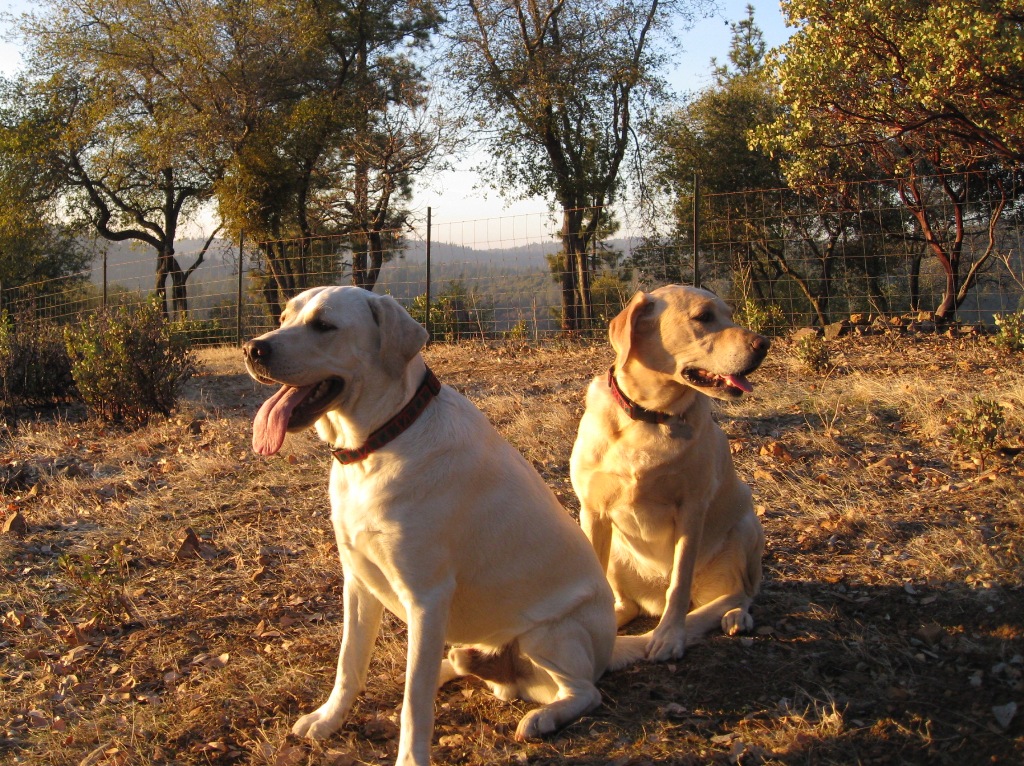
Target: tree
{"type": "Point", "coordinates": [35, 246]}
{"type": "Point", "coordinates": [338, 135]}
{"type": "Point", "coordinates": [557, 87]}
{"type": "Point", "coordinates": [117, 155]}
{"type": "Point", "coordinates": [154, 109]}
{"type": "Point", "coordinates": [707, 140]}
{"type": "Point", "coordinates": [929, 94]}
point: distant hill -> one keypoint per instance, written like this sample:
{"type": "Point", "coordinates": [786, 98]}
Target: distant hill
{"type": "Point", "coordinates": [514, 281]}
{"type": "Point", "coordinates": [133, 265]}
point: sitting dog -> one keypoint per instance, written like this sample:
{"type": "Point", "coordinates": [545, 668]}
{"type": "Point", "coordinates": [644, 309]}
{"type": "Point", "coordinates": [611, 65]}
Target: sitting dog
{"type": "Point", "coordinates": [438, 519]}
{"type": "Point", "coordinates": [672, 525]}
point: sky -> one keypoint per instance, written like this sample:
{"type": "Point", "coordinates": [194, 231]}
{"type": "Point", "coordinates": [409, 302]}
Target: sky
{"type": "Point", "coordinates": [459, 194]}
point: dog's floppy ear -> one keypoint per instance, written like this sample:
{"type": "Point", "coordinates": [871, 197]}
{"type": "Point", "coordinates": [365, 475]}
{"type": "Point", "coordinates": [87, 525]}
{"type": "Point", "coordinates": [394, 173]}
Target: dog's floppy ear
{"type": "Point", "coordinates": [620, 329]}
{"type": "Point", "coordinates": [401, 336]}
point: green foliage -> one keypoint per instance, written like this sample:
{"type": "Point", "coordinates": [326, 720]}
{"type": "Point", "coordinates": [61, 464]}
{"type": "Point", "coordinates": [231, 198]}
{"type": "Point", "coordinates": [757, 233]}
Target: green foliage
{"type": "Point", "coordinates": [455, 314]}
{"type": "Point", "coordinates": [811, 350]}
{"type": "Point", "coordinates": [914, 92]}
{"type": "Point", "coordinates": [975, 430]}
{"type": "Point", "coordinates": [710, 135]}
{"type": "Point", "coordinates": [560, 89]}
{"type": "Point", "coordinates": [761, 317]}
{"type": "Point", "coordinates": [215, 331]}
{"type": "Point", "coordinates": [34, 365]}
{"type": "Point", "coordinates": [519, 332]}
{"type": "Point", "coordinates": [1010, 336]}
{"type": "Point", "coordinates": [609, 293]}
{"type": "Point", "coordinates": [127, 363]}
{"type": "Point", "coordinates": [101, 587]}
{"type": "Point", "coordinates": [861, 78]}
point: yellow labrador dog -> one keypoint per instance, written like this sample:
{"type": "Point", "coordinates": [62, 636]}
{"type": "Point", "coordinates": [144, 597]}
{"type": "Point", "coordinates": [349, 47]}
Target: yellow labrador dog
{"type": "Point", "coordinates": [671, 523]}
{"type": "Point", "coordinates": [438, 519]}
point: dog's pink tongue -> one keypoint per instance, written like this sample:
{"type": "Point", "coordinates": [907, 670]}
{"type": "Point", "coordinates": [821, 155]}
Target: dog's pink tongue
{"type": "Point", "coordinates": [271, 423]}
{"type": "Point", "coordinates": [740, 382]}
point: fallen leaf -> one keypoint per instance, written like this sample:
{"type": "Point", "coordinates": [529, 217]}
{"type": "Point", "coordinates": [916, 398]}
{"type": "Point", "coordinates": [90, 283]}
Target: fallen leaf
{"type": "Point", "coordinates": [289, 755]}
{"type": "Point", "coordinates": [1005, 714]}
{"type": "Point", "coordinates": [189, 548]}
{"type": "Point", "coordinates": [16, 525]}
{"type": "Point", "coordinates": [378, 729]}
{"type": "Point", "coordinates": [338, 758]}
{"type": "Point", "coordinates": [778, 451]}
{"type": "Point", "coordinates": [192, 547]}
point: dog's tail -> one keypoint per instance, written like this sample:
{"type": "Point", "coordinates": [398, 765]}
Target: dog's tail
{"type": "Point", "coordinates": [629, 649]}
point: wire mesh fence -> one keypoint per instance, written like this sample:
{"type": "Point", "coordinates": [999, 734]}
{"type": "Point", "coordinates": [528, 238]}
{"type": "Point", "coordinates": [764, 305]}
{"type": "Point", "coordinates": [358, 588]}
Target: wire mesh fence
{"type": "Point", "coordinates": [784, 258]}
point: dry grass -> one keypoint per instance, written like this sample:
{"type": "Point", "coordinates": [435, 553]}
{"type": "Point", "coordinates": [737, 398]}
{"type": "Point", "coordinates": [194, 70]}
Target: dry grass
{"type": "Point", "coordinates": [890, 627]}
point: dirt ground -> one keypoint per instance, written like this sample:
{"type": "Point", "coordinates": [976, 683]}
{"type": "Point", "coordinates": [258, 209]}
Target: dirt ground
{"type": "Point", "coordinates": [176, 599]}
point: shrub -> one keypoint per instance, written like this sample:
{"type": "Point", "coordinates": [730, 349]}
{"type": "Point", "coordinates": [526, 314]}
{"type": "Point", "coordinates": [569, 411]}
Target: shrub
{"type": "Point", "coordinates": [34, 365]}
{"type": "Point", "coordinates": [205, 332]}
{"type": "Point", "coordinates": [519, 332]}
{"type": "Point", "coordinates": [608, 296]}
{"type": "Point", "coordinates": [976, 429]}
{"type": "Point", "coordinates": [127, 363]}
{"type": "Point", "coordinates": [1010, 336]}
{"type": "Point", "coordinates": [812, 351]}
{"type": "Point", "coordinates": [761, 317]}
{"type": "Point", "coordinates": [455, 314]}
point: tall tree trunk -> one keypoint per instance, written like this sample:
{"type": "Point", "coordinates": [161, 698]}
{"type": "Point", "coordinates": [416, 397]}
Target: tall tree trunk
{"type": "Point", "coordinates": [165, 267]}
{"type": "Point", "coordinates": [576, 308]}
{"type": "Point", "coordinates": [375, 254]}
{"type": "Point", "coordinates": [914, 282]}
{"type": "Point", "coordinates": [570, 311]}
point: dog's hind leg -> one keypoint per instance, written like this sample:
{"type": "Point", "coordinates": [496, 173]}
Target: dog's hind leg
{"type": "Point", "coordinates": [447, 673]}
{"type": "Point", "coordinates": [363, 614]}
{"type": "Point", "coordinates": [730, 612]}
{"type": "Point", "coordinates": [566, 658]}
{"type": "Point", "coordinates": [726, 587]}
{"type": "Point", "coordinates": [501, 670]}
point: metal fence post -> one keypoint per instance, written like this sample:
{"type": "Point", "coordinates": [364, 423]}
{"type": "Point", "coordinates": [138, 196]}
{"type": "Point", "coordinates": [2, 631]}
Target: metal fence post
{"type": "Point", "coordinates": [427, 317]}
{"type": "Point", "coordinates": [696, 230]}
{"type": "Point", "coordinates": [239, 308]}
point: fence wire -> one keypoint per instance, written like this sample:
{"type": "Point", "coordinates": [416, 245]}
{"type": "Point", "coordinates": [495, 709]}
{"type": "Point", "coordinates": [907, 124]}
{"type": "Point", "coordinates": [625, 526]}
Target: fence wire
{"type": "Point", "coordinates": [783, 258]}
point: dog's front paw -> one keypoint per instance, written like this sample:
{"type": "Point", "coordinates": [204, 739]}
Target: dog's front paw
{"type": "Point", "coordinates": [737, 621]}
{"type": "Point", "coordinates": [667, 643]}
{"type": "Point", "coordinates": [536, 724]}
{"type": "Point", "coordinates": [319, 724]}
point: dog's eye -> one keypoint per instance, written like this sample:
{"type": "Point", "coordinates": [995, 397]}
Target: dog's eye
{"type": "Point", "coordinates": [320, 325]}
{"type": "Point", "coordinates": [704, 317]}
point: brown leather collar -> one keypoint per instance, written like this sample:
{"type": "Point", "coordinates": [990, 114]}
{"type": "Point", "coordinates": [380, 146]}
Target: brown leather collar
{"type": "Point", "coordinates": [424, 395]}
{"type": "Point", "coordinates": [631, 408]}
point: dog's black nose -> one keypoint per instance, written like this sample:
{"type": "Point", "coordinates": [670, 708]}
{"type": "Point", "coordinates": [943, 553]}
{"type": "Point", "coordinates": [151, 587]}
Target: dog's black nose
{"type": "Point", "coordinates": [760, 344]}
{"type": "Point", "coordinates": [257, 350]}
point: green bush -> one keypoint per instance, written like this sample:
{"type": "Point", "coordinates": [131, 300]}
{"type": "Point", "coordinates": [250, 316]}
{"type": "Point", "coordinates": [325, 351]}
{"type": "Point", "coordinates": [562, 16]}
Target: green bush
{"type": "Point", "coordinates": [761, 317]}
{"type": "Point", "coordinates": [127, 363]}
{"type": "Point", "coordinates": [976, 429]}
{"type": "Point", "coordinates": [812, 351]}
{"type": "Point", "coordinates": [455, 314]}
{"type": "Point", "coordinates": [1010, 336]}
{"type": "Point", "coordinates": [34, 364]}
{"type": "Point", "coordinates": [204, 332]}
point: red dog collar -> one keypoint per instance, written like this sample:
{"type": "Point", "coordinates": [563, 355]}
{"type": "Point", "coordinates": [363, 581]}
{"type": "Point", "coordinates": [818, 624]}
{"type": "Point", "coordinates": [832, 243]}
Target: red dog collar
{"type": "Point", "coordinates": [428, 389]}
{"type": "Point", "coordinates": [631, 408]}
